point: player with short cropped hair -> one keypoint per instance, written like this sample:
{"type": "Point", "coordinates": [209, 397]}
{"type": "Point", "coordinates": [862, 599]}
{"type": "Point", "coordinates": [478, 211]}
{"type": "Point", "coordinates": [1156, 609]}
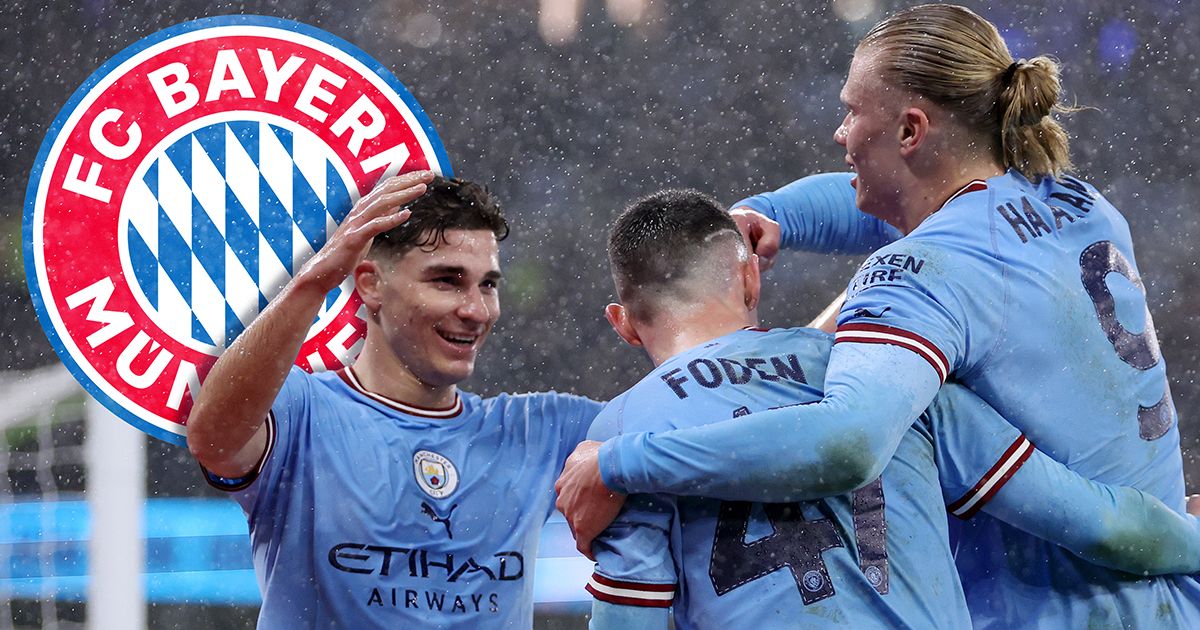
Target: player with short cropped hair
{"type": "Point", "coordinates": [688, 290]}
{"type": "Point", "coordinates": [1011, 277]}
{"type": "Point", "coordinates": [876, 557]}
{"type": "Point", "coordinates": [382, 495]}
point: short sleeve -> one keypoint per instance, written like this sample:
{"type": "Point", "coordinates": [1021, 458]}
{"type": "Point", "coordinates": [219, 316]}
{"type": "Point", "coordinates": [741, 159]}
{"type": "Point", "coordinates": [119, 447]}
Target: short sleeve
{"type": "Point", "coordinates": [977, 450]}
{"type": "Point", "coordinates": [567, 417]}
{"type": "Point", "coordinates": [577, 414]}
{"type": "Point", "coordinates": [286, 420]}
{"type": "Point", "coordinates": [607, 424]}
{"type": "Point", "coordinates": [904, 295]}
{"type": "Point", "coordinates": [634, 566]}
{"type": "Point", "coordinates": [633, 555]}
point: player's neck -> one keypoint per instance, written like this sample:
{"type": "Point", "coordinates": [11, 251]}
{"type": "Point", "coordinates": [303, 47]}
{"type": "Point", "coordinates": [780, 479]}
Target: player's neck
{"type": "Point", "coordinates": [381, 372]}
{"type": "Point", "coordinates": [931, 194]}
{"type": "Point", "coordinates": [681, 332]}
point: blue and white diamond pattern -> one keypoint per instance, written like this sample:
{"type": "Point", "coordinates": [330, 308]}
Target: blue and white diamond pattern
{"type": "Point", "coordinates": [223, 217]}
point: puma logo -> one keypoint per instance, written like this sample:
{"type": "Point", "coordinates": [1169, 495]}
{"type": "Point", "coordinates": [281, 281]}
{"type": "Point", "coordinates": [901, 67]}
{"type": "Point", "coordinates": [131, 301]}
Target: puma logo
{"type": "Point", "coordinates": [428, 511]}
{"type": "Point", "coordinates": [862, 312]}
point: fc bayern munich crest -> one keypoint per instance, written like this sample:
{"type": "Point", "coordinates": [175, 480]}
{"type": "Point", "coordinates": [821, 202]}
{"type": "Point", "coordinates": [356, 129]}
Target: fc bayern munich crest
{"type": "Point", "coordinates": [186, 181]}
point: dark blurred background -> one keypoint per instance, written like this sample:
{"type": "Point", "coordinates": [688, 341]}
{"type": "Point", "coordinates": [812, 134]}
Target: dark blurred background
{"type": "Point", "coordinates": [570, 108]}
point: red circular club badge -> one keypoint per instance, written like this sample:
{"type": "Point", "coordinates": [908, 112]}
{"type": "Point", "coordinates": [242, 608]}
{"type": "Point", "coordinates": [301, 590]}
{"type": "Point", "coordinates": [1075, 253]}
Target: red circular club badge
{"type": "Point", "coordinates": [186, 181]}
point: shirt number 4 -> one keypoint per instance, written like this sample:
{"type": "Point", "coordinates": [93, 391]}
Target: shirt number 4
{"type": "Point", "coordinates": [797, 544]}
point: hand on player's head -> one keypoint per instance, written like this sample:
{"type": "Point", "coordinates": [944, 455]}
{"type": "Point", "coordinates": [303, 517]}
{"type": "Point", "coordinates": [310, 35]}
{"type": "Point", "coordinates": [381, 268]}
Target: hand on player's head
{"type": "Point", "coordinates": [377, 212]}
{"type": "Point", "coordinates": [762, 234]}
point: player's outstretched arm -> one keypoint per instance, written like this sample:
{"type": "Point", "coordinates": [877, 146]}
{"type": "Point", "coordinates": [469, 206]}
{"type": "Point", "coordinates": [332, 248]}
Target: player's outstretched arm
{"type": "Point", "coordinates": [987, 465]}
{"type": "Point", "coordinates": [1117, 527]}
{"type": "Point", "coordinates": [873, 393]}
{"type": "Point", "coordinates": [816, 213]}
{"type": "Point", "coordinates": [1113, 526]}
{"type": "Point", "coordinates": [225, 427]}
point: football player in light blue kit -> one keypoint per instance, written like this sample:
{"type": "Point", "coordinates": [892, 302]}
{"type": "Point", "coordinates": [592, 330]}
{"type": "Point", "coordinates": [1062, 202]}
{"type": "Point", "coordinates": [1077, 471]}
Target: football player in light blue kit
{"type": "Point", "coordinates": [381, 496]}
{"type": "Point", "coordinates": [1017, 281]}
{"type": "Point", "coordinates": [877, 557]}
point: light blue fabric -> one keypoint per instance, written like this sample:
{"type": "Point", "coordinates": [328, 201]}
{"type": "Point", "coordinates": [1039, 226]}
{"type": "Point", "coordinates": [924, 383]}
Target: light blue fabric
{"type": "Point", "coordinates": [607, 616]}
{"type": "Point", "coordinates": [874, 558]}
{"type": "Point", "coordinates": [366, 516]}
{"type": "Point", "coordinates": [1028, 295]}
{"type": "Point", "coordinates": [818, 214]}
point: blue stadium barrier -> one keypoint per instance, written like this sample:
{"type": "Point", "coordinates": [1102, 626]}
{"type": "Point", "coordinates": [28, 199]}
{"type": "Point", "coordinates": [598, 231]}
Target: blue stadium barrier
{"type": "Point", "coordinates": [197, 552]}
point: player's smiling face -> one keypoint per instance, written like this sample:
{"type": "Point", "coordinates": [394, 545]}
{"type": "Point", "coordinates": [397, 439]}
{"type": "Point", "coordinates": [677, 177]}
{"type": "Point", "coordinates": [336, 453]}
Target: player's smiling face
{"type": "Point", "coordinates": [870, 134]}
{"type": "Point", "coordinates": [436, 308]}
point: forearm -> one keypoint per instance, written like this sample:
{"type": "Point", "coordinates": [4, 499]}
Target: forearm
{"type": "Point", "coordinates": [636, 578]}
{"type": "Point", "coordinates": [793, 453]}
{"type": "Point", "coordinates": [818, 213]}
{"type": "Point", "coordinates": [1116, 527]}
{"type": "Point", "coordinates": [238, 392]}
{"type": "Point", "coordinates": [736, 464]}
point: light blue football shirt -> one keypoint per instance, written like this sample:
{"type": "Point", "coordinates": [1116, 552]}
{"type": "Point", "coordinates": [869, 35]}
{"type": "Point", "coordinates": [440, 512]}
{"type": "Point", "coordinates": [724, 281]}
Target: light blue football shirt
{"type": "Point", "coordinates": [984, 463]}
{"type": "Point", "coordinates": [876, 558]}
{"type": "Point", "coordinates": [369, 513]}
{"type": "Point", "coordinates": [1029, 295]}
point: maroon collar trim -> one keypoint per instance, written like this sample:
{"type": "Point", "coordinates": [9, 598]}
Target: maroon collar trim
{"type": "Point", "coordinates": [974, 185]}
{"type": "Point", "coordinates": [351, 379]}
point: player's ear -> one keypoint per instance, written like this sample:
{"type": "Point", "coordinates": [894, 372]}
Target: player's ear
{"type": "Point", "coordinates": [366, 280]}
{"type": "Point", "coordinates": [618, 316]}
{"type": "Point", "coordinates": [914, 130]}
{"type": "Point", "coordinates": [751, 281]}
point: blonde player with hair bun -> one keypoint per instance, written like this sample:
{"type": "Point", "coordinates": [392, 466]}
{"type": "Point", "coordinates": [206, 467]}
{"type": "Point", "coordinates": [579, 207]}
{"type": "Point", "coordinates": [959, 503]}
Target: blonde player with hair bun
{"type": "Point", "coordinates": [958, 61]}
{"type": "Point", "coordinates": [987, 264]}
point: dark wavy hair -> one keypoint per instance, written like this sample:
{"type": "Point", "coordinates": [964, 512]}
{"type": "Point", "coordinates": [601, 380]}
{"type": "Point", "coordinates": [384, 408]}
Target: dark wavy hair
{"type": "Point", "coordinates": [448, 204]}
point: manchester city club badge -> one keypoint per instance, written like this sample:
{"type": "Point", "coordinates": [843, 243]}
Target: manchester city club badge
{"type": "Point", "coordinates": [186, 181]}
{"type": "Point", "coordinates": [435, 473]}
